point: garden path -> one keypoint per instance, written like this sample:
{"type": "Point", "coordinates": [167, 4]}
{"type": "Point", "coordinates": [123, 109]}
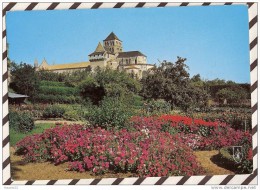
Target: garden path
{"type": "Point", "coordinates": [21, 170]}
{"type": "Point", "coordinates": [59, 121]}
{"type": "Point", "coordinates": [46, 171]}
{"type": "Point", "coordinates": [211, 162]}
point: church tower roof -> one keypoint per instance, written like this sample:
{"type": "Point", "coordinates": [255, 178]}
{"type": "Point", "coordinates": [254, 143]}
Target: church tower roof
{"type": "Point", "coordinates": [100, 48]}
{"type": "Point", "coordinates": [112, 36]}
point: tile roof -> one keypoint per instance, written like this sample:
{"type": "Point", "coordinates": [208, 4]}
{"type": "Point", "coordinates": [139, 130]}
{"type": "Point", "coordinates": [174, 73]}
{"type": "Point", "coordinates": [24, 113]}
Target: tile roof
{"type": "Point", "coordinates": [112, 36]}
{"type": "Point", "coordinates": [131, 67]}
{"type": "Point", "coordinates": [68, 66]}
{"type": "Point", "coordinates": [130, 54]}
{"type": "Point", "coordinates": [14, 95]}
{"type": "Point", "coordinates": [99, 49]}
{"type": "Point", "coordinates": [96, 53]}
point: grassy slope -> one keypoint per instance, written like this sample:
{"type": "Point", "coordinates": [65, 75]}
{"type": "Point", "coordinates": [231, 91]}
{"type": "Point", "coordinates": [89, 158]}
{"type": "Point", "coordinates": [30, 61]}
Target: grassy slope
{"type": "Point", "coordinates": [16, 136]}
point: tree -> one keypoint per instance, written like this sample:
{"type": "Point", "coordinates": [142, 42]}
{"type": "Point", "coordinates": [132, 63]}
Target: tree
{"type": "Point", "coordinates": [75, 78]}
{"type": "Point", "coordinates": [233, 94]}
{"type": "Point", "coordinates": [109, 83]}
{"type": "Point", "coordinates": [90, 89]}
{"type": "Point", "coordinates": [24, 79]}
{"type": "Point", "coordinates": [197, 82]}
{"type": "Point", "coordinates": [51, 76]}
{"type": "Point", "coordinates": [171, 82]}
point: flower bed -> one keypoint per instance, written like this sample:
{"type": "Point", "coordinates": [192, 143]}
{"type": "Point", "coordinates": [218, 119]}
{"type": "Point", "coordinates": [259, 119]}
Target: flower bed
{"type": "Point", "coordinates": [98, 150]}
{"type": "Point", "coordinates": [196, 133]}
{"type": "Point", "coordinates": [152, 146]}
{"type": "Point", "coordinates": [236, 118]}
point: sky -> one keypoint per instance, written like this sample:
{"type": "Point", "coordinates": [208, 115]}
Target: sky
{"type": "Point", "coordinates": [214, 39]}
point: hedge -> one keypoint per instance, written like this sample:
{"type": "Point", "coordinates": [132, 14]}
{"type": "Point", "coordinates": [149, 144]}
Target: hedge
{"type": "Point", "coordinates": [43, 98]}
{"type": "Point", "coordinates": [51, 83]}
{"type": "Point", "coordinates": [57, 90]}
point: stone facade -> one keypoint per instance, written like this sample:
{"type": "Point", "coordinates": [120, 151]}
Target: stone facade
{"type": "Point", "coordinates": [111, 55]}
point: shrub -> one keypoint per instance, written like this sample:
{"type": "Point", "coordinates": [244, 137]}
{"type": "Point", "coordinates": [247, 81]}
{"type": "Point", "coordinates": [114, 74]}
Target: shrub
{"type": "Point", "coordinates": [112, 113]}
{"type": "Point", "coordinates": [157, 107]}
{"type": "Point", "coordinates": [98, 150]}
{"type": "Point", "coordinates": [61, 99]}
{"type": "Point", "coordinates": [51, 76]}
{"type": "Point", "coordinates": [75, 112]}
{"type": "Point", "coordinates": [53, 111]}
{"type": "Point", "coordinates": [57, 92]}
{"type": "Point", "coordinates": [138, 101]}
{"type": "Point", "coordinates": [243, 167]}
{"type": "Point", "coordinates": [21, 121]}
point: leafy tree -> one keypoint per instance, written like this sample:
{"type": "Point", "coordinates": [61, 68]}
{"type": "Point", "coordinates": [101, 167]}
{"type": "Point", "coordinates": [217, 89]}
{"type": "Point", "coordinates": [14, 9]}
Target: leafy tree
{"type": "Point", "coordinates": [90, 89]}
{"type": "Point", "coordinates": [171, 82]}
{"type": "Point", "coordinates": [111, 113]}
{"type": "Point", "coordinates": [233, 94]}
{"type": "Point", "coordinates": [216, 81]}
{"type": "Point", "coordinates": [24, 79]}
{"type": "Point", "coordinates": [51, 76]}
{"type": "Point", "coordinates": [197, 81]}
{"type": "Point", "coordinates": [110, 83]}
{"type": "Point", "coordinates": [75, 78]}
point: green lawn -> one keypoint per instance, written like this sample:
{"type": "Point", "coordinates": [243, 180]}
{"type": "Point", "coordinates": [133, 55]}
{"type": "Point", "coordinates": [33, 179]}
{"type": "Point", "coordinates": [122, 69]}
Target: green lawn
{"type": "Point", "coordinates": [16, 136]}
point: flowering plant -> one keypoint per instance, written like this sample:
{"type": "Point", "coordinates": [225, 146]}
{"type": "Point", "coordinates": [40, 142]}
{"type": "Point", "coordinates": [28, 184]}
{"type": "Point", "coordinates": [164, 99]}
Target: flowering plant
{"type": "Point", "coordinates": [144, 153]}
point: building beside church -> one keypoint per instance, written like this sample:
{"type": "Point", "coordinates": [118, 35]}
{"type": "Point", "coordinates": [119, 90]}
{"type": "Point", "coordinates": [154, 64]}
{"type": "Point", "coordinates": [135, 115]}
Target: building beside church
{"type": "Point", "coordinates": [109, 54]}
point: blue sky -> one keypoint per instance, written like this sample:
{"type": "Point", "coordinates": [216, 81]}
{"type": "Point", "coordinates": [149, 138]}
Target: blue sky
{"type": "Point", "coordinates": [214, 39]}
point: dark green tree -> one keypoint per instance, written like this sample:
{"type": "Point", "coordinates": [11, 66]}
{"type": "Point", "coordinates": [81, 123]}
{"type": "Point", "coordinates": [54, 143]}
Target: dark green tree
{"type": "Point", "coordinates": [198, 82]}
{"type": "Point", "coordinates": [232, 94]}
{"type": "Point", "coordinates": [109, 83]}
{"type": "Point", "coordinates": [24, 79]}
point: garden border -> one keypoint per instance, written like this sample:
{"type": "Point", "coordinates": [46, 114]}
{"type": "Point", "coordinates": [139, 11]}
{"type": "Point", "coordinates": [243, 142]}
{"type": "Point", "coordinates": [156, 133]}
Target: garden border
{"type": "Point", "coordinates": [175, 180]}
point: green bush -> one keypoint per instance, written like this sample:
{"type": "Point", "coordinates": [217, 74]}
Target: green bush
{"type": "Point", "coordinates": [21, 121]}
{"type": "Point", "coordinates": [243, 167]}
{"type": "Point", "coordinates": [72, 115]}
{"type": "Point", "coordinates": [75, 112]}
{"type": "Point", "coordinates": [62, 99]}
{"type": "Point", "coordinates": [157, 107]}
{"type": "Point", "coordinates": [111, 113]}
{"type": "Point", "coordinates": [138, 101]}
{"type": "Point", "coordinates": [53, 111]}
{"type": "Point", "coordinates": [57, 92]}
{"type": "Point", "coordinates": [51, 76]}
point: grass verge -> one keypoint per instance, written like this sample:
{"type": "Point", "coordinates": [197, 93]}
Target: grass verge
{"type": "Point", "coordinates": [39, 128]}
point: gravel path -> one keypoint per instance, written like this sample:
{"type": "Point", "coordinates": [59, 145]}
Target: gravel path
{"type": "Point", "coordinates": [210, 161]}
{"type": "Point", "coordinates": [21, 170]}
{"type": "Point", "coordinates": [59, 121]}
{"type": "Point", "coordinates": [46, 171]}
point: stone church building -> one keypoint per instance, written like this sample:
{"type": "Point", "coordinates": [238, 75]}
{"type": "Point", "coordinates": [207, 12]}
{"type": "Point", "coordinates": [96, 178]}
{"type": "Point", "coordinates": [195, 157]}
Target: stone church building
{"type": "Point", "coordinates": [109, 54]}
